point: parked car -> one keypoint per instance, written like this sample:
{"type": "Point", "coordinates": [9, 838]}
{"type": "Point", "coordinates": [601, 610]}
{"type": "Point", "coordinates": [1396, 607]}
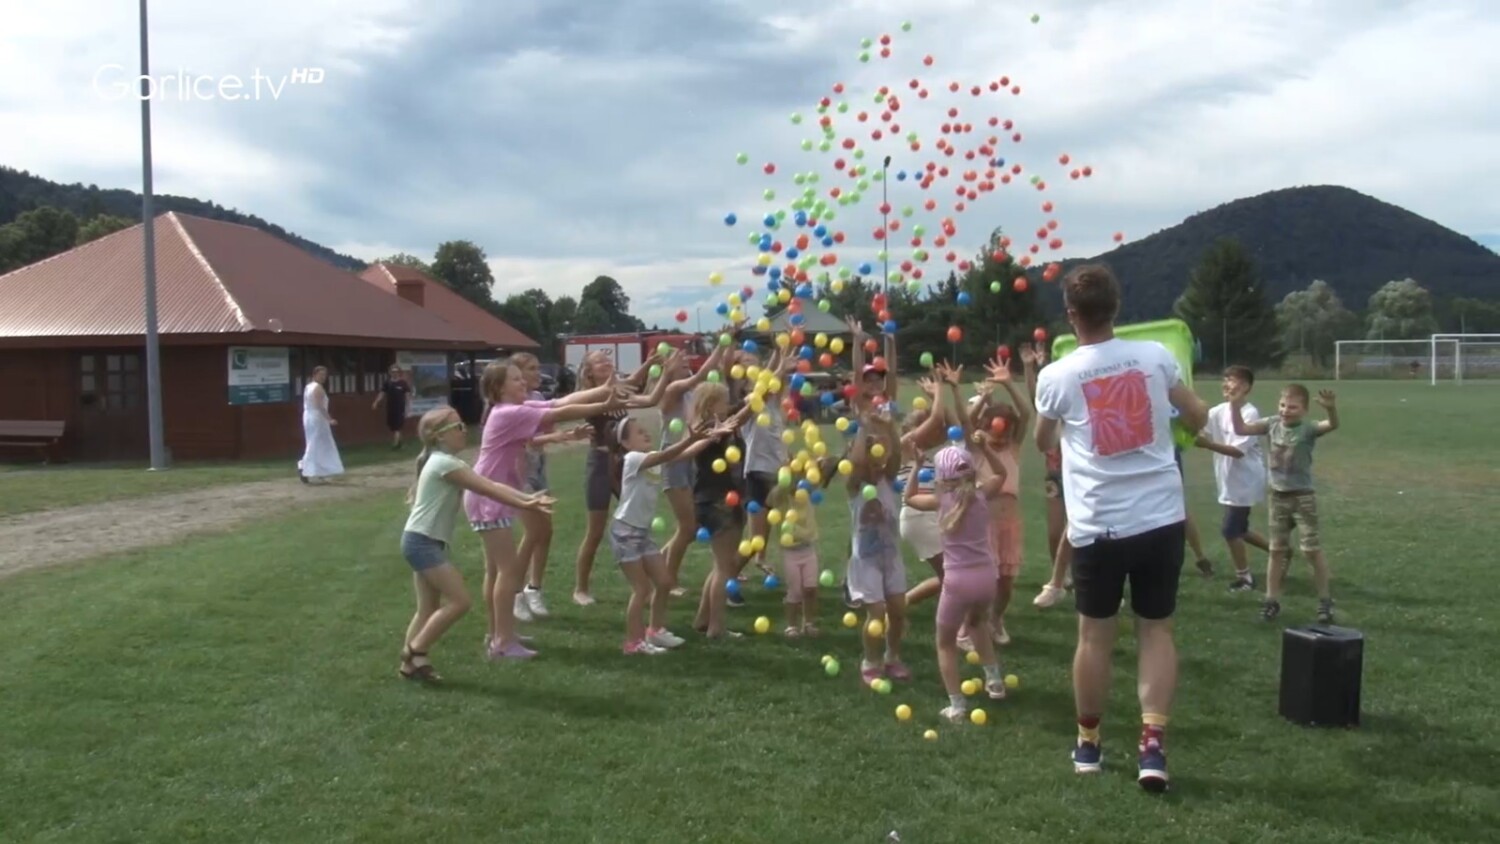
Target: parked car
{"type": "Point", "coordinates": [558, 380]}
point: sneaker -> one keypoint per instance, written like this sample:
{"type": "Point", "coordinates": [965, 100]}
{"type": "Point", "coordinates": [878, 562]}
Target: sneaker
{"type": "Point", "coordinates": [535, 603]}
{"type": "Point", "coordinates": [1325, 611]}
{"type": "Point", "coordinates": [1050, 596]}
{"type": "Point", "coordinates": [1087, 758]}
{"type": "Point", "coordinates": [869, 675]}
{"type": "Point", "coordinates": [515, 650]}
{"type": "Point", "coordinates": [736, 600]}
{"type": "Point", "coordinates": [1243, 583]}
{"type": "Point", "coordinates": [641, 647]}
{"type": "Point", "coordinates": [664, 638]}
{"type": "Point", "coordinates": [1269, 610]}
{"type": "Point", "coordinates": [966, 644]}
{"type": "Point", "coordinates": [523, 611]}
{"type": "Point", "coordinates": [1153, 768]}
{"type": "Point", "coordinates": [811, 631]}
{"type": "Point", "coordinates": [1206, 567]}
{"type": "Point", "coordinates": [897, 670]}
{"type": "Point", "coordinates": [995, 689]}
{"type": "Point", "coordinates": [955, 714]}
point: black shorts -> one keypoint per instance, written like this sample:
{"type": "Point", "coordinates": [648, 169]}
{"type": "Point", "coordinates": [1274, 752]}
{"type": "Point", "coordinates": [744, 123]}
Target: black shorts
{"type": "Point", "coordinates": [599, 480]}
{"type": "Point", "coordinates": [759, 485]}
{"type": "Point", "coordinates": [395, 420]}
{"type": "Point", "coordinates": [1151, 561]}
{"type": "Point", "coordinates": [1236, 522]}
{"type": "Point", "coordinates": [717, 516]}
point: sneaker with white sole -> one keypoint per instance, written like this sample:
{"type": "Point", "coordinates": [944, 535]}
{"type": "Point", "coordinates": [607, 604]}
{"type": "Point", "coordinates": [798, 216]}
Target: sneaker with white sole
{"type": "Point", "coordinates": [1087, 758]}
{"type": "Point", "coordinates": [523, 611]}
{"type": "Point", "coordinates": [642, 648]}
{"type": "Point", "coordinates": [535, 603]}
{"type": "Point", "coordinates": [664, 638]}
{"type": "Point", "coordinates": [954, 714]}
{"type": "Point", "coordinates": [1050, 596]}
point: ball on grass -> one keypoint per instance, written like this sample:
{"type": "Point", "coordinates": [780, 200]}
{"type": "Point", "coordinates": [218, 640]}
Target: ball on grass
{"type": "Point", "coordinates": [826, 578]}
{"type": "Point", "coordinates": [875, 629]}
{"type": "Point", "coordinates": [930, 735]}
{"type": "Point", "coordinates": [1012, 681]}
{"type": "Point", "coordinates": [831, 668]}
{"type": "Point", "coordinates": [762, 624]}
{"type": "Point", "coordinates": [971, 658]}
{"type": "Point", "coordinates": [903, 713]}
{"type": "Point", "coordinates": [978, 717]}
{"type": "Point", "coordinates": [970, 687]}
{"type": "Point", "coordinates": [851, 620]}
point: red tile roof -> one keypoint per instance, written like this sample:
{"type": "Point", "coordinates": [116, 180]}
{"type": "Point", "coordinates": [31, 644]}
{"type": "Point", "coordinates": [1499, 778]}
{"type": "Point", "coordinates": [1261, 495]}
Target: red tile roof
{"type": "Point", "coordinates": [443, 301]}
{"type": "Point", "coordinates": [212, 278]}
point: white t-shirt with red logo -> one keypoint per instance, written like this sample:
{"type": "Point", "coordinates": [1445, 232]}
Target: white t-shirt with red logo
{"type": "Point", "coordinates": [1119, 475]}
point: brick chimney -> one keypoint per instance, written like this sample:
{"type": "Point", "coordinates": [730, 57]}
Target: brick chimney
{"type": "Point", "coordinates": [412, 290]}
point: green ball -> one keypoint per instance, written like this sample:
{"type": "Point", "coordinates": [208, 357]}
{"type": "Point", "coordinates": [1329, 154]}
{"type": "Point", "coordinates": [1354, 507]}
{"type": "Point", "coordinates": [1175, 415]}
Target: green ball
{"type": "Point", "coordinates": [906, 26]}
{"type": "Point", "coordinates": [907, 212]}
{"type": "Point", "coordinates": [807, 145]}
{"type": "Point", "coordinates": [655, 370]}
{"type": "Point", "coordinates": [864, 56]}
{"type": "Point", "coordinates": [869, 492]}
{"type": "Point", "coordinates": [831, 668]}
{"type": "Point", "coordinates": [926, 360]}
{"type": "Point", "coordinates": [796, 118]}
{"type": "Point", "coordinates": [675, 426]}
{"type": "Point", "coordinates": [866, 43]}
{"type": "Point", "coordinates": [725, 339]}
{"type": "Point", "coordinates": [994, 287]}
{"type": "Point", "coordinates": [658, 524]}
{"type": "Point", "coordinates": [742, 158]}
{"type": "Point", "coordinates": [843, 108]}
{"type": "Point", "coordinates": [769, 194]}
{"type": "Point", "coordinates": [823, 305]}
{"type": "Point", "coordinates": [826, 578]}
{"type": "Point", "coordinates": [714, 377]}
{"type": "Point", "coordinates": [664, 348]}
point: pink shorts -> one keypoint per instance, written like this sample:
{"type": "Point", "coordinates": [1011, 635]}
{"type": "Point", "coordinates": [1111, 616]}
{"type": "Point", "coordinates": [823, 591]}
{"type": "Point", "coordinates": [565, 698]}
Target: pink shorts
{"type": "Point", "coordinates": [1005, 534]}
{"type": "Point", "coordinates": [799, 568]}
{"type": "Point", "coordinates": [964, 590]}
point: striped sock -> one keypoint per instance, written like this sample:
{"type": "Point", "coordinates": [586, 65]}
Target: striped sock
{"type": "Point", "coordinates": [1088, 729]}
{"type": "Point", "coordinates": [1153, 729]}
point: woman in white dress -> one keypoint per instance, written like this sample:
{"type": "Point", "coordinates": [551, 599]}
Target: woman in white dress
{"type": "Point", "coordinates": [320, 462]}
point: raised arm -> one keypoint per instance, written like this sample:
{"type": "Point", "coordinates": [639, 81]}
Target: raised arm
{"type": "Point", "coordinates": [574, 412]}
{"type": "Point", "coordinates": [1331, 424]}
{"type": "Point", "coordinates": [1246, 429]}
{"type": "Point", "coordinates": [931, 429]}
{"type": "Point", "coordinates": [892, 376]}
{"type": "Point", "coordinates": [909, 495]}
{"type": "Point", "coordinates": [1218, 448]}
{"type": "Point", "coordinates": [676, 389]}
{"type": "Point", "coordinates": [1000, 374]}
{"type": "Point", "coordinates": [589, 396]}
{"type": "Point", "coordinates": [653, 398]}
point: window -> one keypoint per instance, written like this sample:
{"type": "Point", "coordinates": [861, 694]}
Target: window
{"type": "Point", "coordinates": [374, 363]}
{"type": "Point", "coordinates": [110, 381]}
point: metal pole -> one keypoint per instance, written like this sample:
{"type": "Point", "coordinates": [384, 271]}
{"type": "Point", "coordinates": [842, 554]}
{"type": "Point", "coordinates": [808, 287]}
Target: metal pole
{"type": "Point", "coordinates": [885, 204]}
{"type": "Point", "coordinates": [1224, 342]}
{"type": "Point", "coordinates": [153, 347]}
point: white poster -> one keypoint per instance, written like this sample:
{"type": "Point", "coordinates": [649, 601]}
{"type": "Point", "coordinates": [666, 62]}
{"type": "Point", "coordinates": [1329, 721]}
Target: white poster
{"type": "Point", "coordinates": [259, 374]}
{"type": "Point", "coordinates": [428, 374]}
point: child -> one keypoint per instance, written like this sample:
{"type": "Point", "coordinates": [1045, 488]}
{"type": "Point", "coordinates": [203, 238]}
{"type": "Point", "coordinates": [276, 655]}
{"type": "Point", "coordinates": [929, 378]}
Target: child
{"type": "Point", "coordinates": [537, 542]}
{"type": "Point", "coordinates": [512, 422]}
{"type": "Point", "coordinates": [434, 500]}
{"type": "Point", "coordinates": [765, 455]}
{"type": "Point", "coordinates": [919, 528]}
{"type": "Point", "coordinates": [968, 588]}
{"type": "Point", "coordinates": [630, 535]}
{"type": "Point", "coordinates": [799, 561]}
{"type": "Point", "coordinates": [1239, 472]}
{"type": "Point", "coordinates": [877, 575]}
{"type": "Point", "coordinates": [999, 430]}
{"type": "Point", "coordinates": [677, 475]}
{"type": "Point", "coordinates": [1293, 501]}
{"type": "Point", "coordinates": [718, 502]}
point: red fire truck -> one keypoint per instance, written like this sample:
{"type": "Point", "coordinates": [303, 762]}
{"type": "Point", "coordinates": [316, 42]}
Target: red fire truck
{"type": "Point", "coordinates": [629, 349]}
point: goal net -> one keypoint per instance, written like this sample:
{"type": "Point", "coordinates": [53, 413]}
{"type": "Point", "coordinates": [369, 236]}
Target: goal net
{"type": "Point", "coordinates": [1429, 360]}
{"type": "Point", "coordinates": [1476, 358]}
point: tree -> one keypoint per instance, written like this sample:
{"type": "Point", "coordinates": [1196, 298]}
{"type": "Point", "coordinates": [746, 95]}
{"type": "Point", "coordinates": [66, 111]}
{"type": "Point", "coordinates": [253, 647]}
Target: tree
{"type": "Point", "coordinates": [1401, 310]}
{"type": "Point", "coordinates": [1225, 302]}
{"type": "Point", "coordinates": [101, 225]}
{"type": "Point", "coordinates": [591, 318]}
{"type": "Point", "coordinates": [613, 301]}
{"type": "Point", "coordinates": [519, 311]}
{"type": "Point", "coordinates": [403, 259]}
{"type": "Point", "coordinates": [36, 235]}
{"type": "Point", "coordinates": [1312, 320]}
{"type": "Point", "coordinates": [1470, 316]}
{"type": "Point", "coordinates": [462, 266]}
{"type": "Point", "coordinates": [564, 313]}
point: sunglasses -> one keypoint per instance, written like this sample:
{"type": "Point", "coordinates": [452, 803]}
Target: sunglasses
{"type": "Point", "coordinates": [451, 426]}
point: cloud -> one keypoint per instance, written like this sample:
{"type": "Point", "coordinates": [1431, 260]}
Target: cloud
{"type": "Point", "coordinates": [598, 137]}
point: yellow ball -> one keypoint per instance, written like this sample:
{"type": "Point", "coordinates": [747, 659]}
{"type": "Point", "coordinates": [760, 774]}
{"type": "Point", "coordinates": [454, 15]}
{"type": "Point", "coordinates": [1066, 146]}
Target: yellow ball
{"type": "Point", "coordinates": [877, 451]}
{"type": "Point", "coordinates": [875, 628]}
{"type": "Point", "coordinates": [970, 687]}
{"type": "Point", "coordinates": [720, 467]}
{"type": "Point", "coordinates": [762, 324]}
{"type": "Point", "coordinates": [763, 420]}
{"type": "Point", "coordinates": [757, 403]}
{"type": "Point", "coordinates": [842, 424]}
{"type": "Point", "coordinates": [821, 340]}
{"type": "Point", "coordinates": [774, 517]}
{"type": "Point", "coordinates": [783, 295]}
{"type": "Point", "coordinates": [827, 658]}
{"type": "Point", "coordinates": [919, 403]}
{"type": "Point", "coordinates": [790, 517]}
{"type": "Point", "coordinates": [838, 287]}
{"type": "Point", "coordinates": [735, 301]}
{"type": "Point", "coordinates": [1012, 681]}
{"type": "Point", "coordinates": [846, 468]}
{"type": "Point", "coordinates": [775, 385]}
{"type": "Point", "coordinates": [736, 372]}
{"type": "Point", "coordinates": [972, 658]}
{"type": "Point", "coordinates": [753, 373]}
{"type": "Point", "coordinates": [757, 544]}
{"type": "Point", "coordinates": [803, 457]}
{"type": "Point", "coordinates": [715, 278]}
{"type": "Point", "coordinates": [737, 315]}
{"type": "Point", "coordinates": [820, 448]}
{"type": "Point", "coordinates": [903, 713]}
{"type": "Point", "coordinates": [746, 549]}
{"type": "Point", "coordinates": [930, 735]}
{"type": "Point", "coordinates": [812, 435]}
{"type": "Point", "coordinates": [850, 619]}
{"type": "Point", "coordinates": [797, 466]}
{"type": "Point", "coordinates": [836, 345]}
{"type": "Point", "coordinates": [788, 540]}
{"type": "Point", "coordinates": [802, 496]}
{"type": "Point", "coordinates": [814, 476]}
{"type": "Point", "coordinates": [783, 340]}
{"type": "Point", "coordinates": [732, 454]}
{"type": "Point", "coordinates": [978, 717]}
{"type": "Point", "coordinates": [788, 437]}
{"type": "Point", "coordinates": [762, 624]}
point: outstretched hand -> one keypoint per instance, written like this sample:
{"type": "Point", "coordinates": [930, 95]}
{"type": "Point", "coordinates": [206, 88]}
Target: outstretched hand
{"type": "Point", "coordinates": [999, 371]}
{"type": "Point", "coordinates": [1326, 399]}
{"type": "Point", "coordinates": [541, 503]}
{"type": "Point", "coordinates": [930, 386]}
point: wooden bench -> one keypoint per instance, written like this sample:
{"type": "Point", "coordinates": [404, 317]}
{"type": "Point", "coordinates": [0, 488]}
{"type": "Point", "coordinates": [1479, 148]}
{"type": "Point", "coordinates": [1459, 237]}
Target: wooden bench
{"type": "Point", "coordinates": [40, 434]}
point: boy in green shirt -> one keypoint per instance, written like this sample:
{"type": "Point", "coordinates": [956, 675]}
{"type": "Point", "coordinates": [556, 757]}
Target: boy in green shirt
{"type": "Point", "coordinates": [1293, 501]}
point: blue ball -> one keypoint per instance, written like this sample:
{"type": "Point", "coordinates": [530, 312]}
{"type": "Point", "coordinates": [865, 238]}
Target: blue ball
{"type": "Point", "coordinates": [890, 326]}
{"type": "Point", "coordinates": [804, 290]}
{"type": "Point", "coordinates": [792, 253]}
{"type": "Point", "coordinates": [805, 484]}
{"type": "Point", "coordinates": [827, 399]}
{"type": "Point", "coordinates": [775, 272]}
{"type": "Point", "coordinates": [800, 218]}
{"type": "Point", "coordinates": [900, 175]}
{"type": "Point", "coordinates": [899, 486]}
{"type": "Point", "coordinates": [772, 582]}
{"type": "Point", "coordinates": [964, 298]}
{"type": "Point", "coordinates": [749, 346]}
{"type": "Point", "coordinates": [925, 476]}
{"type": "Point", "coordinates": [704, 535]}
{"type": "Point", "coordinates": [806, 353]}
{"type": "Point", "coordinates": [732, 587]}
{"type": "Point", "coordinates": [769, 220]}
{"type": "Point", "coordinates": [820, 230]}
{"type": "Point", "coordinates": [866, 269]}
{"type": "Point", "coordinates": [798, 379]}
{"type": "Point", "coordinates": [730, 219]}
{"type": "Point", "coordinates": [771, 286]}
{"type": "Point", "coordinates": [955, 433]}
{"type": "Point", "coordinates": [758, 270]}
{"type": "Point", "coordinates": [753, 507]}
{"type": "Point", "coordinates": [827, 241]}
{"type": "Point", "coordinates": [852, 429]}
{"type": "Point", "coordinates": [722, 309]}
{"type": "Point", "coordinates": [816, 497]}
{"type": "Point", "coordinates": [796, 319]}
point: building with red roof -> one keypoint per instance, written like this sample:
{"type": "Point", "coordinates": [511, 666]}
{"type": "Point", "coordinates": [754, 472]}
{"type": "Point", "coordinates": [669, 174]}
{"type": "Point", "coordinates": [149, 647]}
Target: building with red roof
{"type": "Point", "coordinates": [244, 317]}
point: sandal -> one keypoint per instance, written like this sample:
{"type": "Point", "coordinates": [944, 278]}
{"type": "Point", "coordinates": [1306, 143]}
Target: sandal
{"type": "Point", "coordinates": [411, 671]}
{"type": "Point", "coordinates": [792, 632]}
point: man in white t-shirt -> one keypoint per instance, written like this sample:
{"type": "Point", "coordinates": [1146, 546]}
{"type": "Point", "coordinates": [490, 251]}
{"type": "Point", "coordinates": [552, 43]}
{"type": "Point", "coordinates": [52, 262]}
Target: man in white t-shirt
{"type": "Point", "coordinates": [1109, 404]}
{"type": "Point", "coordinates": [1239, 472]}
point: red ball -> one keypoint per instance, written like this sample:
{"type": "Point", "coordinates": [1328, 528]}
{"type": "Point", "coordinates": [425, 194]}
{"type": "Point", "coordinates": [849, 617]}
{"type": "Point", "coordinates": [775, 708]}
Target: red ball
{"type": "Point", "coordinates": [1021, 285]}
{"type": "Point", "coordinates": [1039, 335]}
{"type": "Point", "coordinates": [955, 334]}
{"type": "Point", "coordinates": [927, 60]}
{"type": "Point", "coordinates": [732, 498]}
{"type": "Point", "coordinates": [1119, 237]}
{"type": "Point", "coordinates": [769, 168]}
{"type": "Point", "coordinates": [682, 316]}
{"type": "Point", "coordinates": [1003, 352]}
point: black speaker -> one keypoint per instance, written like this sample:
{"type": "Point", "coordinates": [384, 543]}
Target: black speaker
{"type": "Point", "coordinates": [1321, 670]}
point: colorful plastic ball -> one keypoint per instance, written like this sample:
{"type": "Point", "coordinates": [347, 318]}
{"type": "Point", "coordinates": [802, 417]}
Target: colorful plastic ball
{"type": "Point", "coordinates": [772, 582]}
{"type": "Point", "coordinates": [955, 433]}
{"type": "Point", "coordinates": [658, 524]}
{"type": "Point", "coordinates": [964, 298]}
{"type": "Point", "coordinates": [831, 668]}
{"type": "Point", "coordinates": [730, 219]}
{"type": "Point", "coordinates": [732, 587]}
{"type": "Point", "coordinates": [926, 360]}
{"type": "Point", "coordinates": [969, 687]}
{"type": "Point", "coordinates": [1012, 681]}
{"type": "Point", "coordinates": [869, 492]}
{"type": "Point", "coordinates": [750, 346]}
{"type": "Point", "coordinates": [995, 287]}
{"type": "Point", "coordinates": [742, 158]}
{"type": "Point", "coordinates": [703, 535]}
{"type": "Point", "coordinates": [978, 717]}
{"type": "Point", "coordinates": [955, 334]}
{"type": "Point", "coordinates": [762, 625]}
{"type": "Point", "coordinates": [826, 578]}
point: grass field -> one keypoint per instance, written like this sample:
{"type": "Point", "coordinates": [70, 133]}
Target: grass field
{"type": "Point", "coordinates": [243, 688]}
{"type": "Point", "coordinates": [28, 488]}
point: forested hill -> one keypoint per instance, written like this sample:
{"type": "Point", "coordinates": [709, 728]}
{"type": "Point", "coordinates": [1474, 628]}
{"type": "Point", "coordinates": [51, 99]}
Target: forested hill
{"type": "Point", "coordinates": [1354, 242]}
{"type": "Point", "coordinates": [21, 191]}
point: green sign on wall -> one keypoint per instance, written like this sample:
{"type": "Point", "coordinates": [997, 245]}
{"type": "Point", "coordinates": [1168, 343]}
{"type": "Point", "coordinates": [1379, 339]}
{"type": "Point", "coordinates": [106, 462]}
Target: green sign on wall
{"type": "Point", "coordinates": [259, 374]}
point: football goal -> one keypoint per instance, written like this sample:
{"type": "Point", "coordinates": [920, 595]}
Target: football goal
{"type": "Point", "coordinates": [1441, 358]}
{"type": "Point", "coordinates": [1476, 358]}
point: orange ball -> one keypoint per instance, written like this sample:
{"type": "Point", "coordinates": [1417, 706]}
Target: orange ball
{"type": "Point", "coordinates": [955, 334]}
{"type": "Point", "coordinates": [1021, 285]}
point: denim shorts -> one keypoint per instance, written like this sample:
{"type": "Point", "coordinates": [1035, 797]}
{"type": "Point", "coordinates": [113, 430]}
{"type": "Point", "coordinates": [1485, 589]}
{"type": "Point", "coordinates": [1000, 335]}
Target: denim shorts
{"type": "Point", "coordinates": [422, 552]}
{"type": "Point", "coordinates": [630, 543]}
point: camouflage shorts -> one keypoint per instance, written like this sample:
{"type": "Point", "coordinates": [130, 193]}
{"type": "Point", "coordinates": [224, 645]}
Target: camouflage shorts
{"type": "Point", "coordinates": [1299, 509]}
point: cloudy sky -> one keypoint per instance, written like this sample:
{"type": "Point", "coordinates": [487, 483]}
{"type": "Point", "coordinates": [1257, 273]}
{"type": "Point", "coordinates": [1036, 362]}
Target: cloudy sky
{"type": "Point", "coordinates": [571, 138]}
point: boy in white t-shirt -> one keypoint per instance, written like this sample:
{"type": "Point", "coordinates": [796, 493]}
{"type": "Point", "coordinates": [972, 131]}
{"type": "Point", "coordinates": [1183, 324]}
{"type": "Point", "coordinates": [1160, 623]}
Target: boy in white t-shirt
{"type": "Point", "coordinates": [1239, 471]}
{"type": "Point", "coordinates": [1109, 403]}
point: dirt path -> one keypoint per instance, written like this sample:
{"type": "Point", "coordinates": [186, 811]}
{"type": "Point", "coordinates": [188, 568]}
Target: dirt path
{"type": "Point", "coordinates": [34, 540]}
